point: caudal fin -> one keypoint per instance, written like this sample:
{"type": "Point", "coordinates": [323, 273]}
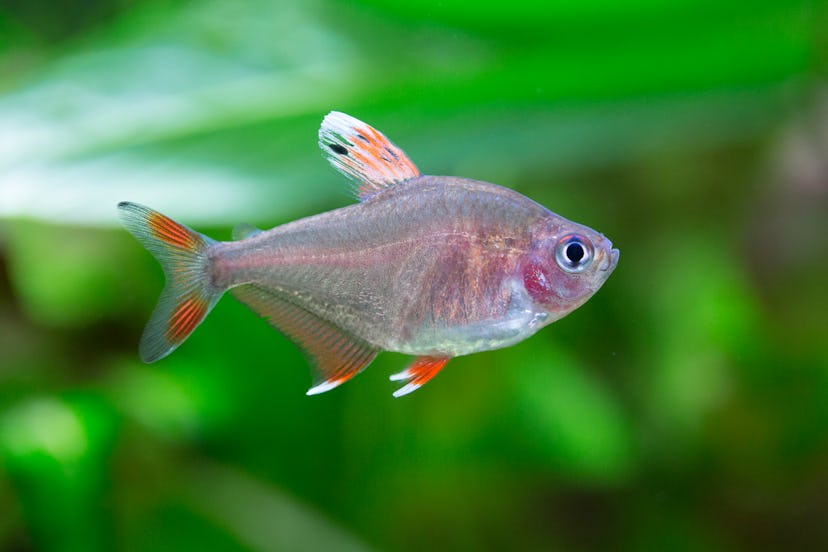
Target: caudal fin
{"type": "Point", "coordinates": [188, 294]}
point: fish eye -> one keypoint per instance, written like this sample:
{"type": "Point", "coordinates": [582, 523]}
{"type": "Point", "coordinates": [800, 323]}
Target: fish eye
{"type": "Point", "coordinates": [573, 253]}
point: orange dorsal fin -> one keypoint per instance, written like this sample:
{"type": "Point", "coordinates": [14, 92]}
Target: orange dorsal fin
{"type": "Point", "coordinates": [336, 355]}
{"type": "Point", "coordinates": [418, 374]}
{"type": "Point", "coordinates": [363, 154]}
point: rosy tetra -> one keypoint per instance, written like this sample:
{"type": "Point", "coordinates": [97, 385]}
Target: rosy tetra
{"type": "Point", "coordinates": [432, 266]}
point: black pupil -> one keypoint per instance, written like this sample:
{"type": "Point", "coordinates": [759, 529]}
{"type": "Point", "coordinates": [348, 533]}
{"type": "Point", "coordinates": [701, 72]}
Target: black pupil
{"type": "Point", "coordinates": [575, 253]}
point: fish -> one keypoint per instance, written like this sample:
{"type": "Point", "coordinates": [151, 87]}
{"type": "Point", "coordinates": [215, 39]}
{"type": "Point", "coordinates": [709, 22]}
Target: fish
{"type": "Point", "coordinates": [431, 266]}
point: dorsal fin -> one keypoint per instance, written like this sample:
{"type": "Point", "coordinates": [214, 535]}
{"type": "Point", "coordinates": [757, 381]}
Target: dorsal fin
{"type": "Point", "coordinates": [363, 154]}
{"type": "Point", "coordinates": [336, 355]}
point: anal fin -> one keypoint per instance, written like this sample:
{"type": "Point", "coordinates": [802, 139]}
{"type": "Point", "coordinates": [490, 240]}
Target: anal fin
{"type": "Point", "coordinates": [336, 355]}
{"type": "Point", "coordinates": [418, 374]}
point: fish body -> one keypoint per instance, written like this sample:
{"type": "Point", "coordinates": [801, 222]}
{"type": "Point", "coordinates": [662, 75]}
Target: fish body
{"type": "Point", "coordinates": [432, 266]}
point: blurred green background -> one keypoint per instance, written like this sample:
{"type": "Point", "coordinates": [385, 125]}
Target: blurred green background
{"type": "Point", "coordinates": [685, 407]}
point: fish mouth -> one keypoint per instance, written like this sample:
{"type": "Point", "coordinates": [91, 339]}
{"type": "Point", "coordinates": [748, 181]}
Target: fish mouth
{"type": "Point", "coordinates": [608, 262]}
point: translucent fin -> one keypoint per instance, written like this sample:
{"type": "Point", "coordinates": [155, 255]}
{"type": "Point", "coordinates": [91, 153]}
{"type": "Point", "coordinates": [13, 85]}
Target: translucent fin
{"type": "Point", "coordinates": [418, 374]}
{"type": "Point", "coordinates": [244, 230]}
{"type": "Point", "coordinates": [188, 294]}
{"type": "Point", "coordinates": [336, 355]}
{"type": "Point", "coordinates": [363, 154]}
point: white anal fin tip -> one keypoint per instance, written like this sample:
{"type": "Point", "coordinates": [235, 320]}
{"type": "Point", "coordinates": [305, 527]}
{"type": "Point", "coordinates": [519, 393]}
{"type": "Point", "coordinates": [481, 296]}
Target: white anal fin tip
{"type": "Point", "coordinates": [363, 154]}
{"type": "Point", "coordinates": [323, 387]}
{"type": "Point", "coordinates": [336, 355]}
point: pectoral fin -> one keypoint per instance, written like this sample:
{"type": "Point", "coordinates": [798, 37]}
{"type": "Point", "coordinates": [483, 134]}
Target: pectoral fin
{"type": "Point", "coordinates": [418, 374]}
{"type": "Point", "coordinates": [336, 355]}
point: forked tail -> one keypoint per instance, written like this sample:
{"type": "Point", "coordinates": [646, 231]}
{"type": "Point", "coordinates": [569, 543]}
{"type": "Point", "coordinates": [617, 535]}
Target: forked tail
{"type": "Point", "coordinates": [188, 294]}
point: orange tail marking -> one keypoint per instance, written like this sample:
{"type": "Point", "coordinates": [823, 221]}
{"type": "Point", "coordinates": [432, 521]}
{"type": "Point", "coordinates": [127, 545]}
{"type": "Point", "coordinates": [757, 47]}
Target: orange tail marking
{"type": "Point", "coordinates": [170, 232]}
{"type": "Point", "coordinates": [184, 318]}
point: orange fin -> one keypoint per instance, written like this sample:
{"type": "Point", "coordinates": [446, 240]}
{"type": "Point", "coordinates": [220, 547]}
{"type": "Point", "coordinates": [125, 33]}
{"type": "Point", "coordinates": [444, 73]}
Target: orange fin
{"type": "Point", "coordinates": [363, 154]}
{"type": "Point", "coordinates": [418, 374]}
{"type": "Point", "coordinates": [185, 317]}
{"type": "Point", "coordinates": [336, 355]}
{"type": "Point", "coordinates": [188, 294]}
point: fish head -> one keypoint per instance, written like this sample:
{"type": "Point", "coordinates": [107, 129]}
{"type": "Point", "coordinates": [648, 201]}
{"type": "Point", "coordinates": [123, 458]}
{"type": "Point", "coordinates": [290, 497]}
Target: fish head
{"type": "Point", "coordinates": [565, 265]}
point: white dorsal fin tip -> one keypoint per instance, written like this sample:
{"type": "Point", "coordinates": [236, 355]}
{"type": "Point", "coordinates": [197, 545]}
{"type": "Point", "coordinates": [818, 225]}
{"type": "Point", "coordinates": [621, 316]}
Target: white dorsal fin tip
{"type": "Point", "coordinates": [340, 123]}
{"type": "Point", "coordinates": [363, 154]}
